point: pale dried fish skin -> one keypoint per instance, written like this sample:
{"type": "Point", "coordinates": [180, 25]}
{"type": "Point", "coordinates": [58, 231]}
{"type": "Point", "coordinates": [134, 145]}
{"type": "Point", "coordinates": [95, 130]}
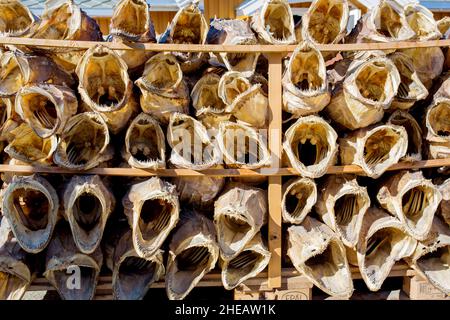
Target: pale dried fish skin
{"type": "Point", "coordinates": [422, 22]}
{"type": "Point", "coordinates": [16, 20]}
{"type": "Point", "coordinates": [303, 191]}
{"type": "Point", "coordinates": [438, 128]}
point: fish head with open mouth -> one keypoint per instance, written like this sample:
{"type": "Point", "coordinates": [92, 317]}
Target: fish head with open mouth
{"type": "Point", "coordinates": [192, 147]}
{"type": "Point", "coordinates": [145, 145]}
{"type": "Point", "coordinates": [163, 89]}
{"type": "Point", "coordinates": [189, 26]}
{"type": "Point", "coordinates": [242, 146]}
{"type": "Point", "coordinates": [422, 22]}
{"type": "Point", "coordinates": [444, 207]}
{"type": "Point", "coordinates": [104, 83]}
{"type": "Point", "coordinates": [310, 146]}
{"type": "Point", "coordinates": [274, 22]}
{"type": "Point", "coordinates": [84, 143]}
{"type": "Point", "coordinates": [299, 197]}
{"type": "Point", "coordinates": [438, 128]}
{"type": "Point", "coordinates": [193, 253]}
{"type": "Point", "coordinates": [131, 21]}
{"type": "Point", "coordinates": [305, 85]}
{"type": "Point", "coordinates": [31, 204]}
{"type": "Point", "coordinates": [414, 131]}
{"type": "Point", "coordinates": [428, 63]}
{"type": "Point", "coordinates": [132, 275]}
{"type": "Point", "coordinates": [88, 203]}
{"type": "Point", "coordinates": [374, 148]}
{"type": "Point", "coordinates": [412, 199]}
{"type": "Point", "coordinates": [73, 274]}
{"type": "Point", "coordinates": [318, 253]}
{"type": "Point", "coordinates": [16, 20]}
{"type": "Point", "coordinates": [26, 146]}
{"type": "Point", "coordinates": [18, 69]}
{"type": "Point", "coordinates": [382, 242]}
{"type": "Point", "coordinates": [46, 108]}
{"type": "Point", "coordinates": [152, 210]}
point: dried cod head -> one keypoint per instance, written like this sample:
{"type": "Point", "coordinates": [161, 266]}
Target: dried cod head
{"type": "Point", "coordinates": [341, 205]}
{"type": "Point", "coordinates": [131, 21]}
{"type": "Point", "coordinates": [8, 118]}
{"type": "Point", "coordinates": [16, 20]}
{"type": "Point", "coordinates": [16, 271]}
{"type": "Point", "coordinates": [30, 204]}
{"type": "Point", "coordinates": [374, 149]}
{"type": "Point", "coordinates": [428, 63]}
{"type": "Point", "coordinates": [318, 253]}
{"type": "Point", "coordinates": [242, 146]}
{"type": "Point", "coordinates": [84, 143]}
{"type": "Point", "coordinates": [152, 210]}
{"type": "Point", "coordinates": [386, 22]}
{"type": "Point", "coordinates": [274, 23]}
{"type": "Point", "coordinates": [189, 26]}
{"type": "Point", "coordinates": [88, 203]}
{"type": "Point", "coordinates": [444, 207]}
{"type": "Point", "coordinates": [305, 85]}
{"type": "Point", "coordinates": [382, 242]}
{"type": "Point", "coordinates": [310, 145]}
{"type": "Point", "coordinates": [192, 148]}
{"type": "Point", "coordinates": [145, 144]}
{"type": "Point", "coordinates": [200, 192]}
{"type": "Point", "coordinates": [438, 128]}
{"type": "Point", "coordinates": [136, 58]}
{"type": "Point", "coordinates": [410, 89]}
{"type": "Point", "coordinates": [46, 108]}
{"type": "Point", "coordinates": [132, 275]}
{"type": "Point", "coordinates": [104, 84]}
{"type": "Point", "coordinates": [414, 131]}
{"type": "Point", "coordinates": [233, 32]}
{"type": "Point", "coordinates": [422, 22]}
{"type": "Point", "coordinates": [444, 26]}
{"type": "Point", "coordinates": [163, 88]}
{"type": "Point", "coordinates": [412, 199]}
{"type": "Point", "coordinates": [63, 260]}
{"type": "Point", "coordinates": [368, 89]}
{"type": "Point", "coordinates": [299, 197]}
{"type": "Point", "coordinates": [18, 69]}
{"type": "Point", "coordinates": [25, 145]}
{"type": "Point", "coordinates": [253, 259]}
{"type": "Point", "coordinates": [239, 214]}
{"type": "Point", "coordinates": [432, 257]}
{"type": "Point", "coordinates": [325, 21]}
{"type": "Point", "coordinates": [193, 253]}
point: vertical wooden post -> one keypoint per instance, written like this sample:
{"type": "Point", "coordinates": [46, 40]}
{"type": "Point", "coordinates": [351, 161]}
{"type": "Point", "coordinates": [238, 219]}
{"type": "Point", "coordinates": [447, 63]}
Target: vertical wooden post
{"type": "Point", "coordinates": [274, 194]}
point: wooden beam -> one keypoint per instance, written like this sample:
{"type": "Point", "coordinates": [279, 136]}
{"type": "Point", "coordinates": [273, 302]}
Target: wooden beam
{"type": "Point", "coordinates": [156, 47]}
{"type": "Point", "coordinates": [275, 183]}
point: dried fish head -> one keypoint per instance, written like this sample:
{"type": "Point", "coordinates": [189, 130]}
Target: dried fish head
{"type": "Point", "coordinates": [193, 253]}
{"type": "Point", "coordinates": [131, 20]}
{"type": "Point", "coordinates": [310, 145]}
{"type": "Point", "coordinates": [163, 88]}
{"type": "Point", "coordinates": [46, 108]}
{"type": "Point", "coordinates": [444, 207]}
{"type": "Point", "coordinates": [205, 95]}
{"type": "Point", "coordinates": [239, 214]}
{"type": "Point", "coordinates": [30, 204]}
{"type": "Point", "coordinates": [73, 274]}
{"type": "Point", "coordinates": [305, 87]}
{"type": "Point", "coordinates": [152, 210]}
{"type": "Point", "coordinates": [299, 197]}
{"type": "Point", "coordinates": [192, 148]}
{"type": "Point", "coordinates": [242, 146]}
{"type": "Point", "coordinates": [87, 205]}
{"type": "Point", "coordinates": [16, 20]}
{"type": "Point", "coordinates": [104, 84]}
{"type": "Point", "coordinates": [414, 131]}
{"type": "Point", "coordinates": [274, 22]}
{"type": "Point", "coordinates": [412, 199]}
{"type": "Point", "coordinates": [428, 63]}
{"type": "Point", "coordinates": [231, 85]}
{"type": "Point", "coordinates": [374, 149]}
{"type": "Point", "coordinates": [438, 128]}
{"type": "Point", "coordinates": [145, 145]}
{"type": "Point", "coordinates": [318, 254]}
{"type": "Point", "coordinates": [421, 20]}
{"type": "Point", "coordinates": [83, 143]}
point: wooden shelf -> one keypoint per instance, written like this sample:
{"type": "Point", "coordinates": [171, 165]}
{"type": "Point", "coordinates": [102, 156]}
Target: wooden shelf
{"type": "Point", "coordinates": [157, 47]}
{"type": "Point", "coordinates": [266, 172]}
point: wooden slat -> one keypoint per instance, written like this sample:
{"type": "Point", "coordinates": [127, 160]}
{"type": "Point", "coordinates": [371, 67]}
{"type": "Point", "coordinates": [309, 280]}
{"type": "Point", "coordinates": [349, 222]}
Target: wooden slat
{"type": "Point", "coordinates": [274, 191]}
{"type": "Point", "coordinates": [221, 48]}
{"type": "Point", "coordinates": [268, 172]}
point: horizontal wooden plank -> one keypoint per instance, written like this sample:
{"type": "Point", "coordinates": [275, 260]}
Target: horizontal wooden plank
{"type": "Point", "coordinates": [132, 172]}
{"type": "Point", "coordinates": [220, 48]}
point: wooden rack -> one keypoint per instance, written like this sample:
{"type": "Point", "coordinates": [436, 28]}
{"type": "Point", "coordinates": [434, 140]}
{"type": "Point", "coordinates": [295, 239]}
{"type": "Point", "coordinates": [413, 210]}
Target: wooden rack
{"type": "Point", "coordinates": [274, 54]}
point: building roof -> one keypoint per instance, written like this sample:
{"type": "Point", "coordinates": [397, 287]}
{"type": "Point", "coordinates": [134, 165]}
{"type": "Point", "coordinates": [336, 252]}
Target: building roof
{"type": "Point", "coordinates": [100, 8]}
